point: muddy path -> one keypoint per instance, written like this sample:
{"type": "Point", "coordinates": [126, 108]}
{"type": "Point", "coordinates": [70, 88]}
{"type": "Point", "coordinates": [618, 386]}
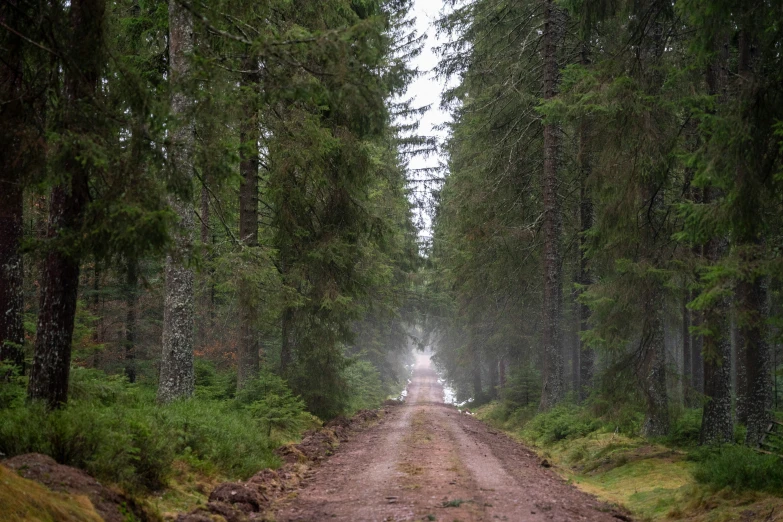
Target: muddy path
{"type": "Point", "coordinates": [427, 461]}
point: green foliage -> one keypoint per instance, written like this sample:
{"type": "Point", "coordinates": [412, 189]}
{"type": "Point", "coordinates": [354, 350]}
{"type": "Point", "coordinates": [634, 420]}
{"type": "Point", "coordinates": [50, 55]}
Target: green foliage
{"type": "Point", "coordinates": [739, 468]}
{"type": "Point", "coordinates": [686, 428]}
{"type": "Point", "coordinates": [561, 422]}
{"type": "Point", "coordinates": [274, 406]}
{"type": "Point", "coordinates": [366, 388]}
{"type": "Point", "coordinates": [117, 432]}
{"type": "Point", "coordinates": [11, 385]}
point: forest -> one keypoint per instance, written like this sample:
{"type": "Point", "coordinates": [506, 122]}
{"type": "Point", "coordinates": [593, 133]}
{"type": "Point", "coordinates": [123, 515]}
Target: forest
{"type": "Point", "coordinates": [215, 243]}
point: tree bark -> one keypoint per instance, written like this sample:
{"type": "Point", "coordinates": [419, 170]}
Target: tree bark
{"type": "Point", "coordinates": [12, 114]}
{"type": "Point", "coordinates": [753, 349]}
{"type": "Point", "coordinates": [475, 359]}
{"type": "Point", "coordinates": [60, 278]}
{"type": "Point", "coordinates": [177, 378]}
{"type": "Point", "coordinates": [552, 389]}
{"type": "Point", "coordinates": [247, 367]}
{"type": "Point", "coordinates": [687, 372]}
{"type": "Point", "coordinates": [207, 294]}
{"type": "Point", "coordinates": [287, 345]}
{"type": "Point", "coordinates": [131, 301]}
{"type": "Point", "coordinates": [656, 422]}
{"type": "Point", "coordinates": [717, 425]}
{"type": "Point", "coordinates": [493, 378]}
{"type": "Point", "coordinates": [586, 353]}
{"type": "Point", "coordinates": [11, 273]}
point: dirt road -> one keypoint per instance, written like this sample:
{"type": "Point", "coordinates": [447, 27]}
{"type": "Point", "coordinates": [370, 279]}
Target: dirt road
{"type": "Point", "coordinates": [427, 461]}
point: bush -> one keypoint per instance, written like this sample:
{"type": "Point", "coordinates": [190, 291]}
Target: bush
{"type": "Point", "coordinates": [624, 417]}
{"type": "Point", "coordinates": [738, 467]}
{"type": "Point", "coordinates": [560, 423]}
{"type": "Point", "coordinates": [12, 386]}
{"type": "Point", "coordinates": [685, 428]}
{"type": "Point", "coordinates": [365, 387]}
{"type": "Point", "coordinates": [118, 433]}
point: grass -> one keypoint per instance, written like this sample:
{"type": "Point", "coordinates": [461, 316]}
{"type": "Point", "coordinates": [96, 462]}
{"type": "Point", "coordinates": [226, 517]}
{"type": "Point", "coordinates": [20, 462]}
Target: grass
{"type": "Point", "coordinates": [169, 456]}
{"type": "Point", "coordinates": [655, 480]}
{"type": "Point", "coordinates": [24, 500]}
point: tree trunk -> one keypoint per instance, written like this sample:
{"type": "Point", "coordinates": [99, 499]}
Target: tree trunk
{"type": "Point", "coordinates": [586, 354]}
{"type": "Point", "coordinates": [131, 301]}
{"type": "Point", "coordinates": [717, 425]}
{"type": "Point", "coordinates": [11, 273]}
{"type": "Point", "coordinates": [501, 374]}
{"type": "Point", "coordinates": [687, 372]}
{"type": "Point", "coordinates": [552, 389]}
{"type": "Point", "coordinates": [247, 367]}
{"type": "Point", "coordinates": [656, 422]}
{"type": "Point", "coordinates": [287, 345]}
{"type": "Point", "coordinates": [12, 114]}
{"type": "Point", "coordinates": [753, 350]}
{"type": "Point", "coordinates": [207, 298]}
{"type": "Point", "coordinates": [493, 378]}
{"type": "Point", "coordinates": [475, 359]}
{"type": "Point", "coordinates": [69, 198]}
{"type": "Point", "coordinates": [176, 365]}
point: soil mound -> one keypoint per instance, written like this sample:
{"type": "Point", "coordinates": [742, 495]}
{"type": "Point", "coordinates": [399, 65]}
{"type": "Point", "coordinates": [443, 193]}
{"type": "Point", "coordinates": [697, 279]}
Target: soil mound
{"type": "Point", "coordinates": [111, 505]}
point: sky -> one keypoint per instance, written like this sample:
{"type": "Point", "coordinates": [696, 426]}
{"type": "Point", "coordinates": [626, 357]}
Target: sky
{"type": "Point", "coordinates": [426, 90]}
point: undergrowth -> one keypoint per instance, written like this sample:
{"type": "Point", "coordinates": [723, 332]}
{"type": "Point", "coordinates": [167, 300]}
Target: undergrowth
{"type": "Point", "coordinates": [117, 432]}
{"type": "Point", "coordinates": [599, 447]}
{"type": "Point", "coordinates": [738, 467]}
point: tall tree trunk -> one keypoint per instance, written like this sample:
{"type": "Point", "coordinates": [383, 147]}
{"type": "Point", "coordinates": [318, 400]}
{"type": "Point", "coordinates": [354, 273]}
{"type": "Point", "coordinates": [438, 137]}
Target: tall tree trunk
{"type": "Point", "coordinates": [687, 372]}
{"type": "Point", "coordinates": [493, 378]}
{"type": "Point", "coordinates": [501, 374]}
{"type": "Point", "coordinates": [247, 367]}
{"type": "Point", "coordinates": [753, 349]}
{"type": "Point", "coordinates": [207, 298]}
{"type": "Point", "coordinates": [60, 278]}
{"type": "Point", "coordinates": [11, 273]}
{"type": "Point", "coordinates": [656, 422]}
{"type": "Point", "coordinates": [586, 353]}
{"type": "Point", "coordinates": [12, 114]}
{"type": "Point", "coordinates": [177, 378]}
{"type": "Point", "coordinates": [717, 424]}
{"type": "Point", "coordinates": [287, 345]}
{"type": "Point", "coordinates": [131, 301]}
{"type": "Point", "coordinates": [475, 369]}
{"type": "Point", "coordinates": [552, 389]}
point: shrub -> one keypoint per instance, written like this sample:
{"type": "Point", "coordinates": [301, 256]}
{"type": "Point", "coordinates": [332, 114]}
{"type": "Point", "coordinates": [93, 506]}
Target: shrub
{"type": "Point", "coordinates": [217, 435]}
{"type": "Point", "coordinates": [685, 428]}
{"type": "Point", "coordinates": [559, 423]}
{"type": "Point", "coordinates": [117, 432]}
{"type": "Point", "coordinates": [365, 387]}
{"type": "Point", "coordinates": [738, 467]}
{"type": "Point", "coordinates": [12, 385]}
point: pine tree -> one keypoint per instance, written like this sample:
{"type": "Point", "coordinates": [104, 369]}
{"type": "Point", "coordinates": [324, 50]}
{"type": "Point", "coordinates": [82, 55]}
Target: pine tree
{"type": "Point", "coordinates": [68, 203]}
{"type": "Point", "coordinates": [176, 364]}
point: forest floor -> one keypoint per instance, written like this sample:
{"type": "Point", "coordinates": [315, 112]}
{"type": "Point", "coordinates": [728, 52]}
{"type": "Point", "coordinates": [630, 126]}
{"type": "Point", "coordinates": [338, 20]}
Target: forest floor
{"type": "Point", "coordinates": [428, 461]}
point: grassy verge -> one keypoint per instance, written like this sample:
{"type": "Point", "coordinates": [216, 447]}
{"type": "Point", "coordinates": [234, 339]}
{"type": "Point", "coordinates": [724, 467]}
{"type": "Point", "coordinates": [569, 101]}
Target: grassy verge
{"type": "Point", "coordinates": [23, 500]}
{"type": "Point", "coordinates": [170, 456]}
{"type": "Point", "coordinates": [656, 480]}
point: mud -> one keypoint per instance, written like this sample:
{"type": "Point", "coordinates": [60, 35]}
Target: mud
{"type": "Point", "coordinates": [427, 461]}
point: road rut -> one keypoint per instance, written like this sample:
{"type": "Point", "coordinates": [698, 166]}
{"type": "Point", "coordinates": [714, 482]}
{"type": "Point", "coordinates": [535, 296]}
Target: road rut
{"type": "Point", "coordinates": [427, 461]}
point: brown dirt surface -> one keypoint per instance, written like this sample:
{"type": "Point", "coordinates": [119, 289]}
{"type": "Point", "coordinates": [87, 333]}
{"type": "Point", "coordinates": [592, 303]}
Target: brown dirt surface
{"type": "Point", "coordinates": [111, 505]}
{"type": "Point", "coordinates": [427, 461]}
